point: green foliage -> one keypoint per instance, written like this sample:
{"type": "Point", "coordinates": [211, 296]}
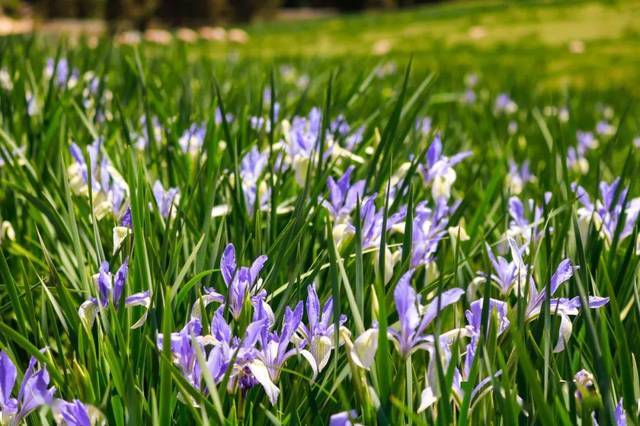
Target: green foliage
{"type": "Point", "coordinates": [46, 271]}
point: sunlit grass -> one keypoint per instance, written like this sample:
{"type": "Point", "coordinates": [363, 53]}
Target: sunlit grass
{"type": "Point", "coordinates": [511, 99]}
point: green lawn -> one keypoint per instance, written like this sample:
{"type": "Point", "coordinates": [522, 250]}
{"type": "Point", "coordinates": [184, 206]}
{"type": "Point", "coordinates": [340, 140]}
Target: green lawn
{"type": "Point", "coordinates": [523, 37]}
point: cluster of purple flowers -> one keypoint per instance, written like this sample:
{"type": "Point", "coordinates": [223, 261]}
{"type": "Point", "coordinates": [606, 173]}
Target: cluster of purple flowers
{"type": "Point", "coordinates": [506, 275]}
{"type": "Point", "coordinates": [429, 223]}
{"type": "Point", "coordinates": [301, 141]}
{"type": "Point", "coordinates": [192, 139]}
{"type": "Point", "coordinates": [62, 73]}
{"type": "Point", "coordinates": [519, 176]}
{"type": "Point", "coordinates": [577, 156]}
{"type": "Point", "coordinates": [526, 220]}
{"type": "Point", "coordinates": [35, 392]}
{"type": "Point", "coordinates": [253, 354]}
{"type": "Point", "coordinates": [142, 139]}
{"type": "Point", "coordinates": [108, 188]}
{"type": "Point", "coordinates": [606, 212]}
{"type": "Point", "coordinates": [341, 129]}
{"type": "Point", "coordinates": [504, 105]}
{"type": "Point", "coordinates": [243, 345]}
{"type": "Point", "coordinates": [110, 290]}
{"type": "Point", "coordinates": [429, 227]}
{"type": "Point", "coordinates": [259, 123]}
{"type": "Point", "coordinates": [252, 166]}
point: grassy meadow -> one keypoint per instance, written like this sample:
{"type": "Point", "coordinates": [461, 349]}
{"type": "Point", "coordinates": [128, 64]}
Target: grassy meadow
{"type": "Point", "coordinates": [417, 217]}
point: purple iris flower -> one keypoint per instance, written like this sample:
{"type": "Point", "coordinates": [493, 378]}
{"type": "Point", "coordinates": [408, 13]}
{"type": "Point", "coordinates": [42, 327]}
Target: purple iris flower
{"type": "Point", "coordinates": [577, 160]}
{"type": "Point", "coordinates": [92, 84]}
{"type": "Point", "coordinates": [32, 104]}
{"type": "Point", "coordinates": [414, 319]}
{"type": "Point", "coordinates": [519, 176]}
{"type": "Point", "coordinates": [63, 73]}
{"type": "Point", "coordinates": [142, 141]}
{"type": "Point", "coordinates": [577, 156]}
{"type": "Point", "coordinates": [354, 139]}
{"type": "Point", "coordinates": [429, 227]}
{"type": "Point", "coordinates": [423, 125]}
{"type": "Point", "coordinates": [469, 97]}
{"type": "Point", "coordinates": [248, 369]}
{"type": "Point", "coordinates": [521, 225]}
{"type": "Point", "coordinates": [115, 186]}
{"type": "Point", "coordinates": [77, 154]}
{"type": "Point", "coordinates": [276, 111]}
{"type": "Point", "coordinates": [507, 274]}
{"type": "Point", "coordinates": [126, 219]}
{"type": "Point", "coordinates": [218, 116]}
{"type": "Point", "coordinates": [255, 358]}
{"type": "Point", "coordinates": [73, 413]}
{"type": "Point", "coordinates": [266, 96]}
{"type": "Point", "coordinates": [438, 169]}
{"type": "Point", "coordinates": [586, 141]}
{"type": "Point", "coordinates": [340, 126]}
{"type": "Point", "coordinates": [105, 181]}
{"type": "Point", "coordinates": [258, 123]}
{"type": "Point", "coordinates": [343, 196]}
{"type": "Point", "coordinates": [621, 416]}
{"type": "Point", "coordinates": [303, 135]}
{"type": "Point", "coordinates": [184, 351]}
{"type": "Point", "coordinates": [504, 104]}
{"type": "Point", "coordinates": [561, 306]}
{"type": "Point", "coordinates": [604, 128]}
{"type": "Point", "coordinates": [372, 222]}
{"type": "Point", "coordinates": [607, 211]}
{"type": "Point", "coordinates": [343, 418]}
{"type": "Point", "coordinates": [474, 326]}
{"type": "Point", "coordinates": [110, 290]}
{"type": "Point", "coordinates": [432, 391]}
{"type": "Point", "coordinates": [252, 166]}
{"type": "Point", "coordinates": [33, 393]}
{"type": "Point", "coordinates": [318, 336]}
{"type": "Point", "coordinates": [241, 282]}
{"type": "Point", "coordinates": [275, 350]}
{"type": "Point", "coordinates": [301, 144]}
{"type": "Point", "coordinates": [471, 79]}
{"type": "Point", "coordinates": [166, 200]}
{"type": "Point", "coordinates": [473, 329]}
{"type": "Point", "coordinates": [266, 100]}
{"type": "Point", "coordinates": [193, 138]}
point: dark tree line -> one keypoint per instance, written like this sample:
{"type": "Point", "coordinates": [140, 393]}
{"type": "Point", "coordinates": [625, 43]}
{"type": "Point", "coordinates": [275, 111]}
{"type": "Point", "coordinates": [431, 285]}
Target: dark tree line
{"type": "Point", "coordinates": [141, 13]}
{"type": "Point", "coordinates": [353, 5]}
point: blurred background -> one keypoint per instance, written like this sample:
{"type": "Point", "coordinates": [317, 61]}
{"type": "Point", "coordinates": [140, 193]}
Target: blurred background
{"type": "Point", "coordinates": [588, 43]}
{"type": "Point", "coordinates": [140, 14]}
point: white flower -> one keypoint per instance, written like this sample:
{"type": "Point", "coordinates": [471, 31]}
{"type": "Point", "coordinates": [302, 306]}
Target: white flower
{"type": "Point", "coordinates": [458, 233]}
{"type": "Point", "coordinates": [7, 231]}
{"type": "Point", "coordinates": [5, 80]}
{"type": "Point", "coordinates": [364, 348]}
{"type": "Point", "coordinates": [119, 235]}
{"type": "Point", "coordinates": [442, 183]}
{"type": "Point", "coordinates": [342, 234]}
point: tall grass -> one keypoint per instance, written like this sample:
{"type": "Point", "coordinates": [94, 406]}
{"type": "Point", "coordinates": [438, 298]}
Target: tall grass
{"type": "Point", "coordinates": [62, 235]}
